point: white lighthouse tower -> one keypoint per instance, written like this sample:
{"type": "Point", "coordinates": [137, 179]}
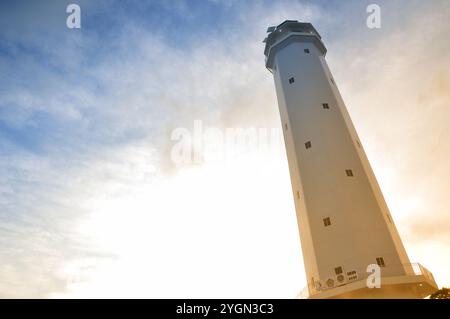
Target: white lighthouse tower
{"type": "Point", "coordinates": [344, 222]}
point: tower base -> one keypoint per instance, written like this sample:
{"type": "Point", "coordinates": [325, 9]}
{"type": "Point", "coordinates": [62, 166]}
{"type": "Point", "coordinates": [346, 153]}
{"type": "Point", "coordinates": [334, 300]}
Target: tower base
{"type": "Point", "coordinates": [410, 286]}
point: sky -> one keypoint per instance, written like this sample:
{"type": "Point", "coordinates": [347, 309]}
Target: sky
{"type": "Point", "coordinates": [92, 203]}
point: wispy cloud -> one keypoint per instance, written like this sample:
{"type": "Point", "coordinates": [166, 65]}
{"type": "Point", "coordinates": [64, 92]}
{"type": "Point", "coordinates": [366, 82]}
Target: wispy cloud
{"type": "Point", "coordinates": [87, 204]}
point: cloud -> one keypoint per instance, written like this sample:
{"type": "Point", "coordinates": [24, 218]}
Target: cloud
{"type": "Point", "coordinates": [104, 122]}
{"type": "Point", "coordinates": [85, 132]}
{"type": "Point", "coordinates": [396, 90]}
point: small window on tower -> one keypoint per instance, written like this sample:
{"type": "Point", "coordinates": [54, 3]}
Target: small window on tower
{"type": "Point", "coordinates": [349, 172]}
{"type": "Point", "coordinates": [291, 80]}
{"type": "Point", "coordinates": [306, 51]}
{"type": "Point", "coordinates": [325, 106]}
{"type": "Point", "coordinates": [308, 144]}
{"type": "Point", "coordinates": [298, 194]}
{"type": "Point", "coordinates": [332, 81]}
{"type": "Point", "coordinates": [326, 221]}
{"type": "Point", "coordinates": [380, 262]}
{"type": "Point", "coordinates": [338, 270]}
{"type": "Point", "coordinates": [285, 126]}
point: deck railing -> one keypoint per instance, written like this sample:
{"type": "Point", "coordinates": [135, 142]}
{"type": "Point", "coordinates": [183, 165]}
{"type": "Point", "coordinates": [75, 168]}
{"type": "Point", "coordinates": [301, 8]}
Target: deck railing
{"type": "Point", "coordinates": [412, 269]}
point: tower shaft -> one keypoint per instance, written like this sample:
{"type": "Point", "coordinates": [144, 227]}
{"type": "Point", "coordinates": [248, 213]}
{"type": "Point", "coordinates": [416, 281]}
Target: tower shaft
{"type": "Point", "coordinates": [344, 222]}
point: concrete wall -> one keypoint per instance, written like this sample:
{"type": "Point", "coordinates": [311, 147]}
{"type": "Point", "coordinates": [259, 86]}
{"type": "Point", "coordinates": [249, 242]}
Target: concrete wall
{"type": "Point", "coordinates": [361, 227]}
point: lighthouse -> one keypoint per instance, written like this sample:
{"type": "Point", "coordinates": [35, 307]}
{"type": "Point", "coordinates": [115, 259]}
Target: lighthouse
{"type": "Point", "coordinates": [347, 233]}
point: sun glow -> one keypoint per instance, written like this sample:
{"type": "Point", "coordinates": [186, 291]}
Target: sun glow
{"type": "Point", "coordinates": [210, 221]}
